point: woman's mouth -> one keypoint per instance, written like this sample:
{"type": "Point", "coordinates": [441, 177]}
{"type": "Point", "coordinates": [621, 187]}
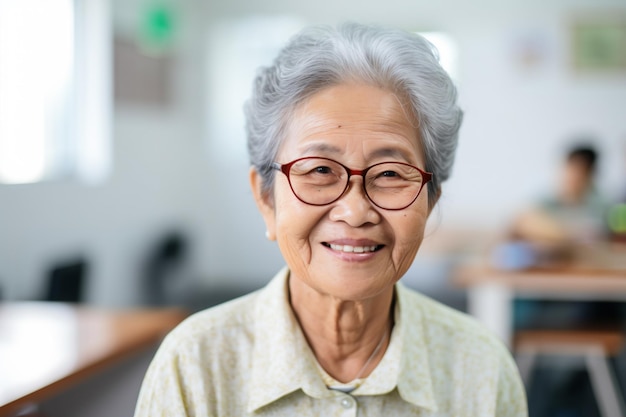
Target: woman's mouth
{"type": "Point", "coordinates": [353, 249]}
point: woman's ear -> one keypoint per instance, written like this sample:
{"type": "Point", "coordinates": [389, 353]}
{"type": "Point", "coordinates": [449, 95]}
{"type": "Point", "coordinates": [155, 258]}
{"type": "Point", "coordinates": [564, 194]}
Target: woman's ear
{"type": "Point", "coordinates": [264, 202]}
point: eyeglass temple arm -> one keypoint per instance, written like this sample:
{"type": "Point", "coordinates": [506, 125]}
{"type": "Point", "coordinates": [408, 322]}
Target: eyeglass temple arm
{"type": "Point", "coordinates": [280, 167]}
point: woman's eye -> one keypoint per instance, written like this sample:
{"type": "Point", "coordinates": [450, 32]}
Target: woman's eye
{"type": "Point", "coordinates": [393, 175]}
{"type": "Point", "coordinates": [322, 170]}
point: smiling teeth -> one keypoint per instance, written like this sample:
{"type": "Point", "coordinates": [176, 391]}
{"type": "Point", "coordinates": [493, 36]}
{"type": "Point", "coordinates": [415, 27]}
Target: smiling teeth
{"type": "Point", "coordinates": [355, 249]}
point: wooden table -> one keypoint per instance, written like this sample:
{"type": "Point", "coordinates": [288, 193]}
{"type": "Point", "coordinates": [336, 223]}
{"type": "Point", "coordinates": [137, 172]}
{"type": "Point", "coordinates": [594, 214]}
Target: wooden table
{"type": "Point", "coordinates": [595, 273]}
{"type": "Point", "coordinates": [46, 348]}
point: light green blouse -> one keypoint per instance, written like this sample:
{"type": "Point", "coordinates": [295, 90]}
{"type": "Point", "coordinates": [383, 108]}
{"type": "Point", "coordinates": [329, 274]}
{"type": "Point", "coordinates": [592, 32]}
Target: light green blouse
{"type": "Point", "coordinates": [248, 357]}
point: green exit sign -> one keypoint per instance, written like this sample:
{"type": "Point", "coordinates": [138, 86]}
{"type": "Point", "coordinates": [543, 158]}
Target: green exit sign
{"type": "Point", "coordinates": [157, 27]}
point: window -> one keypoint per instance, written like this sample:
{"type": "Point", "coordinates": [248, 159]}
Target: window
{"type": "Point", "coordinates": [53, 127]}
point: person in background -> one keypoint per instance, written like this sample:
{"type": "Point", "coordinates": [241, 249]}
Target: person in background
{"type": "Point", "coordinates": [575, 213]}
{"type": "Point", "coordinates": [351, 132]}
{"type": "Point", "coordinates": [554, 231]}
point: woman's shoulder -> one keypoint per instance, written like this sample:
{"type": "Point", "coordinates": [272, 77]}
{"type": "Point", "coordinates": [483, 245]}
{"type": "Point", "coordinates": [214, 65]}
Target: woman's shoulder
{"type": "Point", "coordinates": [447, 322]}
{"type": "Point", "coordinates": [233, 323]}
{"type": "Point", "coordinates": [233, 319]}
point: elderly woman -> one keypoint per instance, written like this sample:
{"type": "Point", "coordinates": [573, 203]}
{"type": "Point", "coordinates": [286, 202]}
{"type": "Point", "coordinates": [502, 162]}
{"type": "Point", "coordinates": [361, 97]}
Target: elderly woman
{"type": "Point", "coordinates": [351, 132]}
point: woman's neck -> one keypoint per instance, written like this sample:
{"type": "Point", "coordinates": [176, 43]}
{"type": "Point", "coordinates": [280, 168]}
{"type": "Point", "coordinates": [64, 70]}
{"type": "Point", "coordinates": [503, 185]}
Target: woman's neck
{"type": "Point", "coordinates": [348, 338]}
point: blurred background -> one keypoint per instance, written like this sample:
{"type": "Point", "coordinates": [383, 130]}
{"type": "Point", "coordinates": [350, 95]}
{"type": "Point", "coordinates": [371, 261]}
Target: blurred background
{"type": "Point", "coordinates": [127, 125]}
{"type": "Point", "coordinates": [122, 146]}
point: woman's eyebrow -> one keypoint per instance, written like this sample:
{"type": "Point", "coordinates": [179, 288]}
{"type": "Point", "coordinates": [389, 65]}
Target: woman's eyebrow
{"type": "Point", "coordinates": [395, 153]}
{"type": "Point", "coordinates": [323, 148]}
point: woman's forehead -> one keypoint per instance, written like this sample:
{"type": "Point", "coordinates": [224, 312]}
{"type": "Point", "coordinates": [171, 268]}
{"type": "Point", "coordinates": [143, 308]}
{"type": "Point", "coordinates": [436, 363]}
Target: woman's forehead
{"type": "Point", "coordinates": [352, 115]}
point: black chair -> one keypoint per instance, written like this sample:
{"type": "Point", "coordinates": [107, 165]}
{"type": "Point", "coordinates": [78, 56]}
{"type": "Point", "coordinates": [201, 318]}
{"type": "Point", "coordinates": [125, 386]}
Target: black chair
{"type": "Point", "coordinates": [66, 281]}
{"type": "Point", "coordinates": [164, 267]}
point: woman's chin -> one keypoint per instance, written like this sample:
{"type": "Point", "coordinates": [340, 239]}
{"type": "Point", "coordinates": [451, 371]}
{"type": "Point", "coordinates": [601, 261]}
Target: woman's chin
{"type": "Point", "coordinates": [350, 284]}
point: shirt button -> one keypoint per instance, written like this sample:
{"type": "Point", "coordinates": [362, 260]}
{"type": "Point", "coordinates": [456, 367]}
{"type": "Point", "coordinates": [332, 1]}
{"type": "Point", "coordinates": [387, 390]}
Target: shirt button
{"type": "Point", "coordinates": [347, 402]}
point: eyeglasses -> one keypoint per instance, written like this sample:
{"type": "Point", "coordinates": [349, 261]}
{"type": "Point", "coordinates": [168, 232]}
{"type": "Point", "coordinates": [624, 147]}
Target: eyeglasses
{"type": "Point", "coordinates": [320, 181]}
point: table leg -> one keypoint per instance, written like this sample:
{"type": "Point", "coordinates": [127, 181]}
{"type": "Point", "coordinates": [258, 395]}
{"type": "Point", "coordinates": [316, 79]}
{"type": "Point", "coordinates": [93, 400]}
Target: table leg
{"type": "Point", "coordinates": [491, 304]}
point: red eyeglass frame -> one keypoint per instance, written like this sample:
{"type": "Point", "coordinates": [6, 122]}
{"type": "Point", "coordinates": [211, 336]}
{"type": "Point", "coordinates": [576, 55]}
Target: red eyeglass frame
{"type": "Point", "coordinates": [286, 168]}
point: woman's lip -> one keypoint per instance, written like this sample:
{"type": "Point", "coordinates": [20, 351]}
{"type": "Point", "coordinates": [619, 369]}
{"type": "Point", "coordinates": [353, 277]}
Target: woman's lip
{"type": "Point", "coordinates": [353, 242]}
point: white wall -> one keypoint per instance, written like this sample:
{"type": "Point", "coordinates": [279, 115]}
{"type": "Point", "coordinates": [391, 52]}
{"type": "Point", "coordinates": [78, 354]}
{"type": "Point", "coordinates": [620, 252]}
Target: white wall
{"type": "Point", "coordinates": [165, 173]}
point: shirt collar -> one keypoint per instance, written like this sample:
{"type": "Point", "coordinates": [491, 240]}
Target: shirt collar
{"type": "Point", "coordinates": [282, 360]}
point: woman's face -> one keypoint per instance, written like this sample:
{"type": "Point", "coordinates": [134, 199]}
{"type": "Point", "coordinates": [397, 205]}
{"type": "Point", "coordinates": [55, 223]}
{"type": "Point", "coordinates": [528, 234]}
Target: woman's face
{"type": "Point", "coordinates": [328, 248]}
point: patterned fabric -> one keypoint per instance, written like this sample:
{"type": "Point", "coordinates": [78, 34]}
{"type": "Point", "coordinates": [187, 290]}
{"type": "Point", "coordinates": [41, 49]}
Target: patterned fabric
{"type": "Point", "coordinates": [249, 357]}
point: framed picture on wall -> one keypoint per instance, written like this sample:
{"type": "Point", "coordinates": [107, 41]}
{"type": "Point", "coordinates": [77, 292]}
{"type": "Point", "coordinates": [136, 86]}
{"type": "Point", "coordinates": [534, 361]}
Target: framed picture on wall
{"type": "Point", "coordinates": [599, 44]}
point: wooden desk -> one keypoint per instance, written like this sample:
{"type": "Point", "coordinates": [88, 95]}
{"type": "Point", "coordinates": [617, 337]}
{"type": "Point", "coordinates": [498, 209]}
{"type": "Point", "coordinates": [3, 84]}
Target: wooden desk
{"type": "Point", "coordinates": [594, 274]}
{"type": "Point", "coordinates": [46, 348]}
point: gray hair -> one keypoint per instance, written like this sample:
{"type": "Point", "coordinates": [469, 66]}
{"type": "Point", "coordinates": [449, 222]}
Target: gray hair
{"type": "Point", "coordinates": [319, 57]}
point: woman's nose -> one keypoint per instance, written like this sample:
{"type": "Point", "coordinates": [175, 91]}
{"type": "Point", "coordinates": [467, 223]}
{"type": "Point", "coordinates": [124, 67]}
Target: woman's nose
{"type": "Point", "coordinates": [354, 207]}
